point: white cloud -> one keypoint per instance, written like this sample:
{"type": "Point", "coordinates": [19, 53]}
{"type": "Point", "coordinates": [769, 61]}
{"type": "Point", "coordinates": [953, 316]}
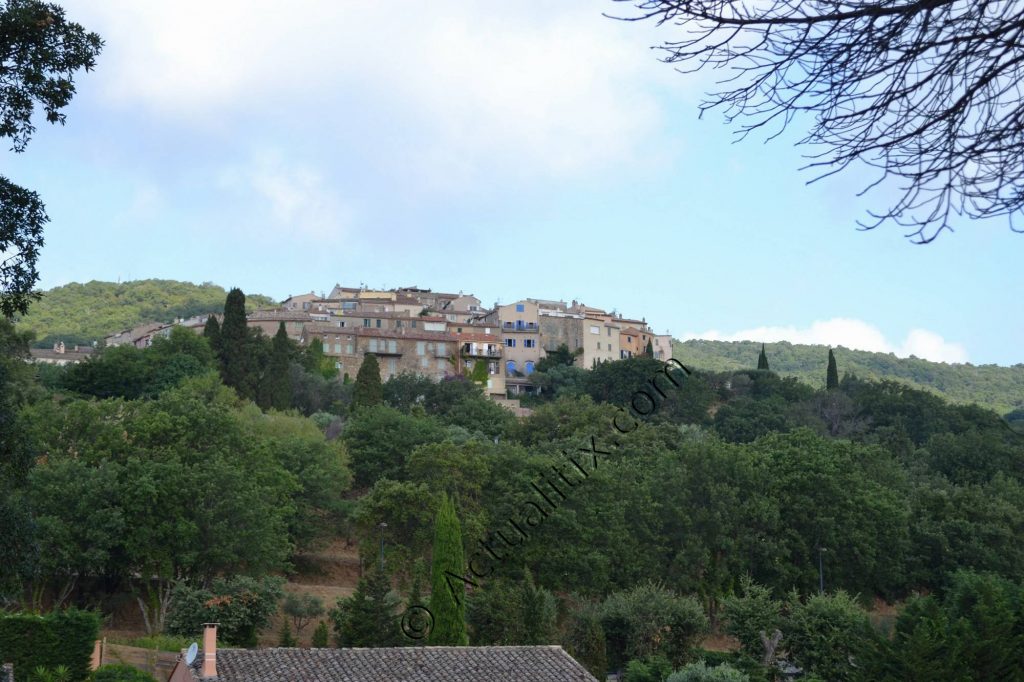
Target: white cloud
{"type": "Point", "coordinates": [849, 333]}
{"type": "Point", "coordinates": [539, 87]}
{"type": "Point", "coordinates": [298, 200]}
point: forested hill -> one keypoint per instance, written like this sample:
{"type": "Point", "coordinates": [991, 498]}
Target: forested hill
{"type": "Point", "coordinates": [999, 388]}
{"type": "Point", "coordinates": [83, 313]}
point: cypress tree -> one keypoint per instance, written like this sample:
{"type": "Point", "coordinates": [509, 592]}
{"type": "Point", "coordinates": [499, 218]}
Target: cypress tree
{"type": "Point", "coordinates": [832, 377]}
{"type": "Point", "coordinates": [762, 359]}
{"type": "Point", "coordinates": [212, 333]}
{"type": "Point", "coordinates": [368, 390]}
{"type": "Point", "coordinates": [235, 367]}
{"type": "Point", "coordinates": [650, 348]}
{"type": "Point", "coordinates": [278, 380]}
{"type": "Point", "coordinates": [447, 590]}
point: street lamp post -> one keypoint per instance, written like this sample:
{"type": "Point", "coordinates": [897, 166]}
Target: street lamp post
{"type": "Point", "coordinates": [382, 526]}
{"type": "Point", "coordinates": [821, 571]}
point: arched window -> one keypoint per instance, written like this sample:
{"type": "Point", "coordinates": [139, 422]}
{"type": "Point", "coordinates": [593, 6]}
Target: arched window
{"type": "Point", "coordinates": [529, 367]}
{"type": "Point", "coordinates": [510, 367]}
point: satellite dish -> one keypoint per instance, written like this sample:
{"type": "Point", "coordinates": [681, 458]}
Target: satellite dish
{"type": "Point", "coordinates": [190, 655]}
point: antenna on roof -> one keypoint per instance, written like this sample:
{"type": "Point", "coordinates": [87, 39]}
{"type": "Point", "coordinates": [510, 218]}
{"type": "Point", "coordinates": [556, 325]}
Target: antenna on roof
{"type": "Point", "coordinates": [190, 655]}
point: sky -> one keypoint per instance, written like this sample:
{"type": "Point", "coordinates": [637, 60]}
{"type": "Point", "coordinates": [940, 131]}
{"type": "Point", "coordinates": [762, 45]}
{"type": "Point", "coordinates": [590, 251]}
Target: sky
{"type": "Point", "coordinates": [510, 150]}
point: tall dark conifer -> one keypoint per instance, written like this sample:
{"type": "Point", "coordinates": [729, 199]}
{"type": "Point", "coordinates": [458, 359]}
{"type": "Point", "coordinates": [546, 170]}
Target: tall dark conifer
{"type": "Point", "coordinates": [212, 333]}
{"type": "Point", "coordinates": [277, 380]}
{"type": "Point", "coordinates": [235, 359]}
{"type": "Point", "coordinates": [762, 359]}
{"type": "Point", "coordinates": [650, 349]}
{"type": "Point", "coordinates": [832, 377]}
{"type": "Point", "coordinates": [368, 390]}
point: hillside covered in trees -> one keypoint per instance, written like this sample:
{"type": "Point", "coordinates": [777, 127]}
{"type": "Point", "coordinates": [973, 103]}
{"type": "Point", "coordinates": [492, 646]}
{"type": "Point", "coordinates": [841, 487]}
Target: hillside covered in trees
{"type": "Point", "coordinates": [993, 386]}
{"type": "Point", "coordinates": [82, 313]}
{"type": "Point", "coordinates": [867, 528]}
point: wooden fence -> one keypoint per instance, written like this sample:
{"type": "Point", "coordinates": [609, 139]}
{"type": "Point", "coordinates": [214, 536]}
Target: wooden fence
{"type": "Point", "coordinates": [157, 663]}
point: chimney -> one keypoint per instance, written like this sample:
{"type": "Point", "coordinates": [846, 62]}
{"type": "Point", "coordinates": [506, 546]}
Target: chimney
{"type": "Point", "coordinates": [209, 670]}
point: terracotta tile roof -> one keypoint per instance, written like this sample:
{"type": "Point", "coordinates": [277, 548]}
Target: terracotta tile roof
{"type": "Point", "coordinates": [629, 331]}
{"type": "Point", "coordinates": [399, 664]}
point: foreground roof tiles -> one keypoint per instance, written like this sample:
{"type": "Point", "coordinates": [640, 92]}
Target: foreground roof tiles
{"type": "Point", "coordinates": [400, 664]}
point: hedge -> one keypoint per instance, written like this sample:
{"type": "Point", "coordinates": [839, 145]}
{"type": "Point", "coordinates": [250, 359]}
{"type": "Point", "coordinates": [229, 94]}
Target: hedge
{"type": "Point", "coordinates": [121, 673]}
{"type": "Point", "coordinates": [65, 638]}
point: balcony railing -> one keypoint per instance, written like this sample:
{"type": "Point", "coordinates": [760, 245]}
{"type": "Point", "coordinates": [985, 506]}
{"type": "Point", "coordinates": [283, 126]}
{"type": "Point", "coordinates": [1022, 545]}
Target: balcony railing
{"type": "Point", "coordinates": [519, 327]}
{"type": "Point", "coordinates": [481, 352]}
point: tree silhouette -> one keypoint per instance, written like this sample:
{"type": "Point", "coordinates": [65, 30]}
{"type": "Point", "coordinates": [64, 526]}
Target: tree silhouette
{"type": "Point", "coordinates": [925, 92]}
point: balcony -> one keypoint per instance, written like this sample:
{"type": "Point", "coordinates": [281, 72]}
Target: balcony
{"type": "Point", "coordinates": [519, 326]}
{"type": "Point", "coordinates": [480, 352]}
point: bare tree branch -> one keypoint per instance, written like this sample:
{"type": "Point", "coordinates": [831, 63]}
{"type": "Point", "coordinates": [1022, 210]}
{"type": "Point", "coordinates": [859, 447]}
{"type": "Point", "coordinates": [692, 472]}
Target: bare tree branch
{"type": "Point", "coordinates": [926, 91]}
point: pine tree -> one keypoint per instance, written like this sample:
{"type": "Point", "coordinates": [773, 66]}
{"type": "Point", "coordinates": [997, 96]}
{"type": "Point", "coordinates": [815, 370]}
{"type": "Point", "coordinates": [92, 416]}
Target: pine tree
{"type": "Point", "coordinates": [762, 359]}
{"type": "Point", "coordinates": [319, 640]}
{"type": "Point", "coordinates": [277, 389]}
{"type": "Point", "coordinates": [832, 377]}
{"type": "Point", "coordinates": [650, 348]}
{"type": "Point", "coordinates": [212, 333]}
{"type": "Point", "coordinates": [368, 390]}
{"type": "Point", "coordinates": [447, 590]}
{"type": "Point", "coordinates": [369, 617]}
{"type": "Point", "coordinates": [287, 640]}
{"type": "Point", "coordinates": [235, 358]}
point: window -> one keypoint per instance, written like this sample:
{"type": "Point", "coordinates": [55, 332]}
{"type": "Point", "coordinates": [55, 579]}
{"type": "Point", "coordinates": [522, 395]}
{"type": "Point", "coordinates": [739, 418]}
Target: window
{"type": "Point", "coordinates": [424, 362]}
{"type": "Point", "coordinates": [392, 366]}
{"type": "Point", "coordinates": [529, 343]}
{"type": "Point", "coordinates": [458, 329]}
{"type": "Point", "coordinates": [337, 348]}
{"type": "Point", "coordinates": [520, 308]}
{"type": "Point", "coordinates": [594, 330]}
{"type": "Point", "coordinates": [441, 363]}
{"type": "Point", "coordinates": [392, 346]}
{"type": "Point", "coordinates": [442, 349]}
{"type": "Point", "coordinates": [421, 347]}
{"type": "Point", "coordinates": [510, 343]}
{"type": "Point", "coordinates": [599, 345]}
{"type": "Point", "coordinates": [373, 346]}
{"type": "Point", "coordinates": [378, 323]}
{"type": "Point", "coordinates": [528, 369]}
{"type": "Point", "coordinates": [348, 348]}
{"type": "Point", "coordinates": [609, 330]}
{"type": "Point", "coordinates": [510, 367]}
{"type": "Point", "coordinates": [341, 323]}
{"type": "Point", "coordinates": [413, 323]}
{"type": "Point", "coordinates": [366, 323]}
{"type": "Point", "coordinates": [398, 324]}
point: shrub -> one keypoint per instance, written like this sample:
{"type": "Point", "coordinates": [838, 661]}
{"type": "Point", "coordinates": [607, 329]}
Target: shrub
{"type": "Point", "coordinates": [700, 672]}
{"type": "Point", "coordinates": [62, 638]}
{"type": "Point", "coordinates": [651, 669]}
